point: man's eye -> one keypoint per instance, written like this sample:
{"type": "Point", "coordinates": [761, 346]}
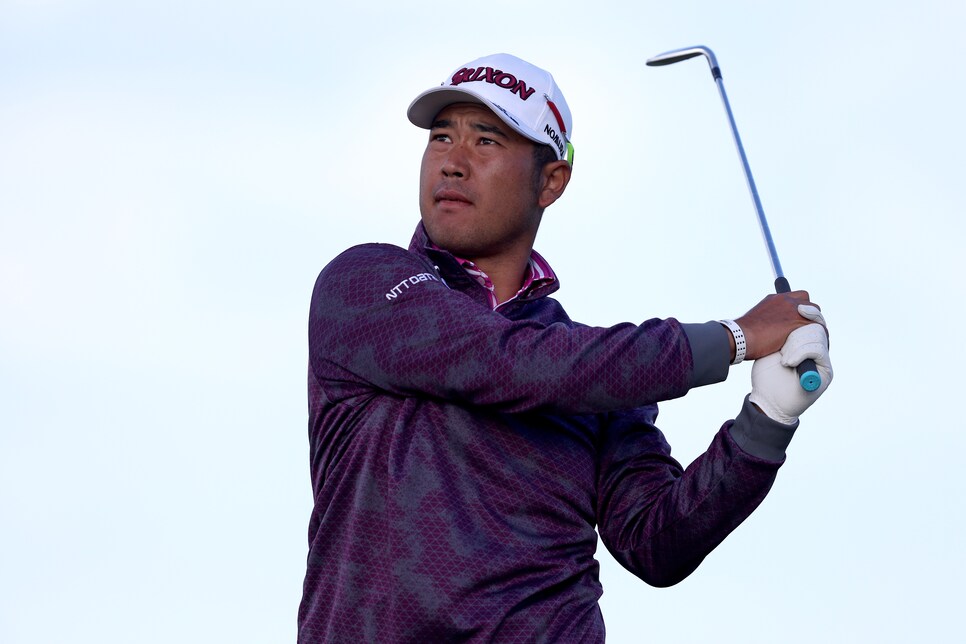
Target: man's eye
{"type": "Point", "coordinates": [444, 138]}
{"type": "Point", "coordinates": [486, 141]}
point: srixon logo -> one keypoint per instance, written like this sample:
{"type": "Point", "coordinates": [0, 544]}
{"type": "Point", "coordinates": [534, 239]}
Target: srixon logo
{"type": "Point", "coordinates": [496, 77]}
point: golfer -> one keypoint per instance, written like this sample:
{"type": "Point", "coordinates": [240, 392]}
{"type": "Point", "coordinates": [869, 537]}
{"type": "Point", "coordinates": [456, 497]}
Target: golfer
{"type": "Point", "coordinates": [468, 440]}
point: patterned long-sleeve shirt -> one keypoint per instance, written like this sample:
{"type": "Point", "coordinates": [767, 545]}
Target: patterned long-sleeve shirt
{"type": "Point", "coordinates": [464, 458]}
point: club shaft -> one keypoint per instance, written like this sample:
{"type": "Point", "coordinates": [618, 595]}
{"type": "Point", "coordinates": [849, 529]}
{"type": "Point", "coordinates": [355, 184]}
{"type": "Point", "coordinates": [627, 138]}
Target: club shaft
{"type": "Point", "coordinates": [809, 376]}
{"type": "Point", "coordinates": [776, 265]}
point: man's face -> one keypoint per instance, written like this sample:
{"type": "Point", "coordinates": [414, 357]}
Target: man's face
{"type": "Point", "coordinates": [476, 192]}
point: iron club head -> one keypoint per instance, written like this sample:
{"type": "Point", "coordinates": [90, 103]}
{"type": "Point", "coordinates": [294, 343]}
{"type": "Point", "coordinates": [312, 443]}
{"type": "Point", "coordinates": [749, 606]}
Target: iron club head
{"type": "Point", "coordinates": [677, 55]}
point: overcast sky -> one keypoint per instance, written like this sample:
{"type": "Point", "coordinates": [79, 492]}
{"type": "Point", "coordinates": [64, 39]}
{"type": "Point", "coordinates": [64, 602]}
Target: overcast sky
{"type": "Point", "coordinates": [173, 176]}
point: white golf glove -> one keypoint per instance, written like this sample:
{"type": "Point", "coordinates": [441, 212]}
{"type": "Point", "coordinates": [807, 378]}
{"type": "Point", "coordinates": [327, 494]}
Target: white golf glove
{"type": "Point", "coordinates": [775, 387]}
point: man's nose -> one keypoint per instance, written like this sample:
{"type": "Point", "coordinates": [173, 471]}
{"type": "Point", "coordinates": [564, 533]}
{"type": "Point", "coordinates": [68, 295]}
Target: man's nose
{"type": "Point", "coordinates": [456, 163]}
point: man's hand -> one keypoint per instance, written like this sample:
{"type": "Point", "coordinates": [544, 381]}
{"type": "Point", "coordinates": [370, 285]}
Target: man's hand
{"type": "Point", "coordinates": [775, 388]}
{"type": "Point", "coordinates": [768, 323]}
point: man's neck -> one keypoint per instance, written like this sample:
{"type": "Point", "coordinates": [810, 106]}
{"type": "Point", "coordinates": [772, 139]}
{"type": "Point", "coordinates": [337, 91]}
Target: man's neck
{"type": "Point", "coordinates": [506, 271]}
{"type": "Point", "coordinates": [506, 274]}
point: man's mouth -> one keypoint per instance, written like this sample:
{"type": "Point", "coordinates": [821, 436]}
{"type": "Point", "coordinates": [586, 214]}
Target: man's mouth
{"type": "Point", "coordinates": [451, 197]}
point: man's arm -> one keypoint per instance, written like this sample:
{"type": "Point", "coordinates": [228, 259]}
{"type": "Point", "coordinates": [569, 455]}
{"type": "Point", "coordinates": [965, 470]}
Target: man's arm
{"type": "Point", "coordinates": [659, 520]}
{"type": "Point", "coordinates": [381, 319]}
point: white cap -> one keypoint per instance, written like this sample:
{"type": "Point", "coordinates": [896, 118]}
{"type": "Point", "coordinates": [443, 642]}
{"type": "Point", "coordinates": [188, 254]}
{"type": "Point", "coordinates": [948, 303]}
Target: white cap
{"type": "Point", "coordinates": [524, 96]}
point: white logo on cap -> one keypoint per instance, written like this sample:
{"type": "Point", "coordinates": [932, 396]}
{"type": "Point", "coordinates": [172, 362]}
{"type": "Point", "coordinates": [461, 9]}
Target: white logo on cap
{"type": "Point", "coordinates": [549, 131]}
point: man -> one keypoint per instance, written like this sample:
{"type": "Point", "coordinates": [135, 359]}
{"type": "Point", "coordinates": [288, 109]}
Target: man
{"type": "Point", "coordinates": [467, 437]}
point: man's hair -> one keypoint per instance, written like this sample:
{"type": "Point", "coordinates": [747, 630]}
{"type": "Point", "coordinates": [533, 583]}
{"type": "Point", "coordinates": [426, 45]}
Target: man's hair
{"type": "Point", "coordinates": [542, 155]}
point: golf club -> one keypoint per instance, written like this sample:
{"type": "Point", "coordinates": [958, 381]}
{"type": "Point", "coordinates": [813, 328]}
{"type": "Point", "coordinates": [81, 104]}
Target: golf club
{"type": "Point", "coordinates": [808, 374]}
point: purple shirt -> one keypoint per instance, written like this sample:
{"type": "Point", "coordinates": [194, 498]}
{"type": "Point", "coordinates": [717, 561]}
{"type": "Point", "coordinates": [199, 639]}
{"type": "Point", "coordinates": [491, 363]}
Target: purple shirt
{"type": "Point", "coordinates": [462, 458]}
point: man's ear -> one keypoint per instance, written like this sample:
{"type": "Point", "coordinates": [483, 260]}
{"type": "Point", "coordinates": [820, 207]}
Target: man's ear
{"type": "Point", "coordinates": [553, 182]}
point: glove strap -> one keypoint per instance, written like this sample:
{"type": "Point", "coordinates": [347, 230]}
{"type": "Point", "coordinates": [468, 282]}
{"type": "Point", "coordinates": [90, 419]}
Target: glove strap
{"type": "Point", "coordinates": [739, 336]}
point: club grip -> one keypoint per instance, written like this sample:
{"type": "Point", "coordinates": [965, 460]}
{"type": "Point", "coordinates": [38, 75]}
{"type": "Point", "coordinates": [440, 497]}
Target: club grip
{"type": "Point", "coordinates": [808, 375]}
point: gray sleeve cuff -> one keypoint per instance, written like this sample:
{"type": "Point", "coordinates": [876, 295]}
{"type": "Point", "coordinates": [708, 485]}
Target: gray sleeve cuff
{"type": "Point", "coordinates": [710, 352]}
{"type": "Point", "coordinates": [758, 435]}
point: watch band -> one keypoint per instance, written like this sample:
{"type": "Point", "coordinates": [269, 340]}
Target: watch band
{"type": "Point", "coordinates": [739, 336]}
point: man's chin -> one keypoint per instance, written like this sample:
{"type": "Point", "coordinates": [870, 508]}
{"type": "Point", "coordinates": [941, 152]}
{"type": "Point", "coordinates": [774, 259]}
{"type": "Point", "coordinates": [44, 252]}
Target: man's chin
{"type": "Point", "coordinates": [452, 243]}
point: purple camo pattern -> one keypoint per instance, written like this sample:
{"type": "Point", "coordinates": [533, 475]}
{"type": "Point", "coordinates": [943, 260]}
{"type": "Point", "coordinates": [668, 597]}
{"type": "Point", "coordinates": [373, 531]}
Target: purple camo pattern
{"type": "Point", "coordinates": [461, 459]}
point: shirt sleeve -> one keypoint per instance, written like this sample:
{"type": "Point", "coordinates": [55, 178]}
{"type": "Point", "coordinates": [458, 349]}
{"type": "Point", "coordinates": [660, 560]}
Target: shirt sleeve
{"type": "Point", "coordinates": [710, 352]}
{"type": "Point", "coordinates": [660, 520]}
{"type": "Point", "coordinates": [382, 318]}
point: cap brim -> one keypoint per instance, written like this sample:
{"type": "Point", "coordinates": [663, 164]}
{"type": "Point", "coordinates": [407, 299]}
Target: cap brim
{"type": "Point", "coordinates": [424, 109]}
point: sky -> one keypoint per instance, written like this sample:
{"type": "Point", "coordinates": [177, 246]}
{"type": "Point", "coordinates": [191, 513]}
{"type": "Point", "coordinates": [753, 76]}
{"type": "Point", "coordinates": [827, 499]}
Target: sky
{"type": "Point", "coordinates": [174, 175]}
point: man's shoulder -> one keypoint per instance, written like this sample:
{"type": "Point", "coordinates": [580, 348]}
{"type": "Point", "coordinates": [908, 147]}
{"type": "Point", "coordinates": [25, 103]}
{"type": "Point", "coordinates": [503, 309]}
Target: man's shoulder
{"type": "Point", "coordinates": [372, 258]}
{"type": "Point", "coordinates": [367, 268]}
{"type": "Point", "coordinates": [545, 310]}
{"type": "Point", "coordinates": [368, 251]}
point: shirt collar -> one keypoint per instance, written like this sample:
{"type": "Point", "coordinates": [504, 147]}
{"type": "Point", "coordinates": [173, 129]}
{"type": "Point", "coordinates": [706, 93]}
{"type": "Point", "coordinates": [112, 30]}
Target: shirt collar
{"type": "Point", "coordinates": [538, 273]}
{"type": "Point", "coordinates": [539, 279]}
